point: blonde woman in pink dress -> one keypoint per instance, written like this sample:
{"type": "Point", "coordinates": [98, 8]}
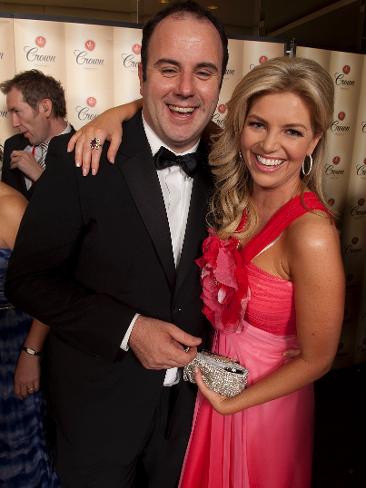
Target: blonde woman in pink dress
{"type": "Point", "coordinates": [272, 281]}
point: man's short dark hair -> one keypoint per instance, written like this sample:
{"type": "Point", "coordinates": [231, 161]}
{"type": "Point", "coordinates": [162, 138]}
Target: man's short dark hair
{"type": "Point", "coordinates": [35, 86]}
{"type": "Point", "coordinates": [191, 8]}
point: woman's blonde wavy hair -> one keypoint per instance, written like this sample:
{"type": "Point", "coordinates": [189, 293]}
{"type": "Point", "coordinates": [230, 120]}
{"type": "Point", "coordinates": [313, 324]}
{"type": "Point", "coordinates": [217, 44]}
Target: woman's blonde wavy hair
{"type": "Point", "coordinates": [233, 183]}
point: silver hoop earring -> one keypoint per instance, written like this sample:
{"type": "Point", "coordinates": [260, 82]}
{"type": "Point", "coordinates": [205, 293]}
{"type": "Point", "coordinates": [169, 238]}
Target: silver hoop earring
{"type": "Point", "coordinates": [240, 155]}
{"type": "Point", "coordinates": [306, 173]}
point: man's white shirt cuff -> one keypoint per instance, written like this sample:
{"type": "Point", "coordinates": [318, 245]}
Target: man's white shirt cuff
{"type": "Point", "coordinates": [124, 344]}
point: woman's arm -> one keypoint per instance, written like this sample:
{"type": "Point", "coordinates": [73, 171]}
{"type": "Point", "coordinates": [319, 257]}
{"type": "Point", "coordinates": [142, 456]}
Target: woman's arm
{"type": "Point", "coordinates": [107, 126]}
{"type": "Point", "coordinates": [27, 372]}
{"type": "Point", "coordinates": [314, 261]}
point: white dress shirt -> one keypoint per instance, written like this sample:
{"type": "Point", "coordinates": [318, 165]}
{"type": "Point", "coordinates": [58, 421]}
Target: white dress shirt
{"type": "Point", "coordinates": [176, 187]}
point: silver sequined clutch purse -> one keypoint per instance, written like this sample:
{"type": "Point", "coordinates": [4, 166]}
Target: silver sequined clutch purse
{"type": "Point", "coordinates": [221, 374]}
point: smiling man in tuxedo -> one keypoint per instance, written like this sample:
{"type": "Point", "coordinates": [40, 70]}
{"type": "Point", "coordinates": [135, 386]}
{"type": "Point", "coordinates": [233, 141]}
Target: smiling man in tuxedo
{"type": "Point", "coordinates": [109, 266]}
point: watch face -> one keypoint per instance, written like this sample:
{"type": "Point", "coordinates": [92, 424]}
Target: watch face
{"type": "Point", "coordinates": [31, 351]}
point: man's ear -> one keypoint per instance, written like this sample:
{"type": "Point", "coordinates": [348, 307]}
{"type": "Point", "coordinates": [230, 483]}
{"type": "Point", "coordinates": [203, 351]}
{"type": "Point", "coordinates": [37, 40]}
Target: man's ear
{"type": "Point", "coordinates": [141, 77]}
{"type": "Point", "coordinates": [45, 106]}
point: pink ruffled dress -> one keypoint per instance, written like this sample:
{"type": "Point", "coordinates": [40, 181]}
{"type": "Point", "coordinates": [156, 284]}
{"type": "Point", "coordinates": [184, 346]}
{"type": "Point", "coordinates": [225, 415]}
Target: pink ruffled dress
{"type": "Point", "coordinates": [253, 313]}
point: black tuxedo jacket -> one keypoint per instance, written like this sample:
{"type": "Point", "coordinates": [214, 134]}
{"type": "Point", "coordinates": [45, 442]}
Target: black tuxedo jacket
{"type": "Point", "coordinates": [91, 252]}
{"type": "Point", "coordinates": [14, 177]}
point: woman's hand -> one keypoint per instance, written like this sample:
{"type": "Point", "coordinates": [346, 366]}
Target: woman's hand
{"type": "Point", "coordinates": [27, 375]}
{"type": "Point", "coordinates": [106, 127]}
{"type": "Point", "coordinates": [220, 403]}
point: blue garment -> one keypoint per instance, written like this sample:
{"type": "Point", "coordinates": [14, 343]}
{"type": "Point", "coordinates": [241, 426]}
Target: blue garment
{"type": "Point", "coordinates": [24, 462]}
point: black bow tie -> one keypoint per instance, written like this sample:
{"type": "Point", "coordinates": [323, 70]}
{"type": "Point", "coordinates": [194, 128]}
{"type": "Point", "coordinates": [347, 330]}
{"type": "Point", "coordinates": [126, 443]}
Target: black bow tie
{"type": "Point", "coordinates": [165, 158]}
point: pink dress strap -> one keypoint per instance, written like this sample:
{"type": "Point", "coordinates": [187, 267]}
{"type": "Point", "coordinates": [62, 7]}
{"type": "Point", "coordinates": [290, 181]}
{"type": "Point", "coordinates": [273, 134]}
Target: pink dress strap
{"type": "Point", "coordinates": [294, 208]}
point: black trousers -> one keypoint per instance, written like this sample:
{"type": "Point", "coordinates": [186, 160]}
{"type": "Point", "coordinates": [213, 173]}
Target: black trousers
{"type": "Point", "coordinates": [157, 465]}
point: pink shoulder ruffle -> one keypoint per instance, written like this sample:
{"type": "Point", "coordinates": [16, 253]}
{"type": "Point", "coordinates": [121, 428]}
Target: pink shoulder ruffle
{"type": "Point", "coordinates": [224, 283]}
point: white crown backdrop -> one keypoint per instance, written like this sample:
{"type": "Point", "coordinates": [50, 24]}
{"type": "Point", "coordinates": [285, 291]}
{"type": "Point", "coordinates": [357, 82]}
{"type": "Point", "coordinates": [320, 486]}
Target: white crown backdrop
{"type": "Point", "coordinates": [97, 65]}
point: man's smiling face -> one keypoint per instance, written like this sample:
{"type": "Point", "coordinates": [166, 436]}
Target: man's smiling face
{"type": "Point", "coordinates": [183, 78]}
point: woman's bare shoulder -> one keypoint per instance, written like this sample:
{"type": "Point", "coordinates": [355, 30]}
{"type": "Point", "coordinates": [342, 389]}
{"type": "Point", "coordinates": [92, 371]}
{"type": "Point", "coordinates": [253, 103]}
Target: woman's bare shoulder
{"type": "Point", "coordinates": [12, 203]}
{"type": "Point", "coordinates": [12, 207]}
{"type": "Point", "coordinates": [312, 244]}
{"type": "Point", "coordinates": [312, 230]}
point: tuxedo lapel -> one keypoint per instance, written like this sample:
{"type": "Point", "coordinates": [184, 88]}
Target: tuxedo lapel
{"type": "Point", "coordinates": [136, 164]}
